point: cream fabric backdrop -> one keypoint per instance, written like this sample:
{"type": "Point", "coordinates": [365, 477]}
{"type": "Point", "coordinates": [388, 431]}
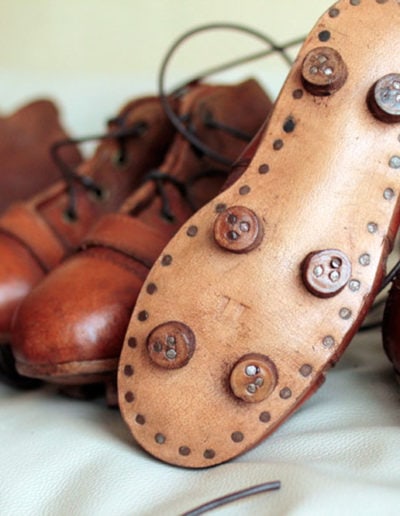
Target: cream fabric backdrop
{"type": "Point", "coordinates": [92, 55]}
{"type": "Point", "coordinates": [338, 455]}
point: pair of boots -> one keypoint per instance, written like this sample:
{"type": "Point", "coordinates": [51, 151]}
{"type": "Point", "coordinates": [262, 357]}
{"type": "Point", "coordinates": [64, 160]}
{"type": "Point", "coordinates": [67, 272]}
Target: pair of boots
{"type": "Point", "coordinates": [75, 256]}
{"type": "Point", "coordinates": [260, 291]}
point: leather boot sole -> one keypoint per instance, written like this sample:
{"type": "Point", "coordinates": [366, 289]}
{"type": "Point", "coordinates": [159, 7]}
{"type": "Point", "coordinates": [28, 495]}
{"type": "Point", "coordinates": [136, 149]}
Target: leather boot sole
{"type": "Point", "coordinates": [263, 289]}
{"type": "Point", "coordinates": [84, 380]}
{"type": "Point", "coordinates": [70, 373]}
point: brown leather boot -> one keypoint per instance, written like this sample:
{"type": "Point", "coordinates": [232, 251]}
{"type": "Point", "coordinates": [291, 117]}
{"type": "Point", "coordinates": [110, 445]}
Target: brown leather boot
{"type": "Point", "coordinates": [253, 309]}
{"type": "Point", "coordinates": [391, 327]}
{"type": "Point", "coordinates": [36, 235]}
{"type": "Point", "coordinates": [71, 327]}
{"type": "Point", "coordinates": [25, 139]}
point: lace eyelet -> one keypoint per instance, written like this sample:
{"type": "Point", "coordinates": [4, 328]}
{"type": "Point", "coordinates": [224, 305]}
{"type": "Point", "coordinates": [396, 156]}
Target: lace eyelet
{"type": "Point", "coordinates": [99, 195]}
{"type": "Point", "coordinates": [142, 128]}
{"type": "Point", "coordinates": [69, 216]}
{"type": "Point", "coordinates": [171, 219]}
{"type": "Point", "coordinates": [119, 160]}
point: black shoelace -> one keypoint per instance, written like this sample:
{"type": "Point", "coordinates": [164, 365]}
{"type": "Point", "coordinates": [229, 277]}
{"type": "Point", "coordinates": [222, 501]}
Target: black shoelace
{"type": "Point", "coordinates": [238, 495]}
{"type": "Point", "coordinates": [184, 188]}
{"type": "Point", "coordinates": [72, 177]}
{"type": "Point", "coordinates": [183, 123]}
{"type": "Point", "coordinates": [160, 179]}
{"type": "Point", "coordinates": [177, 121]}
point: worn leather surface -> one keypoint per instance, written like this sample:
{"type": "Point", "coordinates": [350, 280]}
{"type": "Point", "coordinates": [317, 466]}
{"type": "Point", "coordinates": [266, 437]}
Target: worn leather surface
{"type": "Point", "coordinates": [36, 235]}
{"type": "Point", "coordinates": [94, 291]}
{"type": "Point", "coordinates": [338, 456]}
{"type": "Point", "coordinates": [318, 181]}
{"type": "Point", "coordinates": [25, 139]}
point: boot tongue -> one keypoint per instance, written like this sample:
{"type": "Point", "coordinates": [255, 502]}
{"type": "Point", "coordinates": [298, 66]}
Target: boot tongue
{"type": "Point", "coordinates": [182, 165]}
{"type": "Point", "coordinates": [224, 119]}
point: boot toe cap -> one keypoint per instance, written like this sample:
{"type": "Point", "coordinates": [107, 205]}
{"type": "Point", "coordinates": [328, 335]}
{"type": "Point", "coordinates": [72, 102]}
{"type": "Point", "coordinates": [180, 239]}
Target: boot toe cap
{"type": "Point", "coordinates": [76, 318]}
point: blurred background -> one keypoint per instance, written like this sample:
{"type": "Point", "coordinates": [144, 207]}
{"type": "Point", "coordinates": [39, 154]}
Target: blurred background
{"type": "Point", "coordinates": [91, 56]}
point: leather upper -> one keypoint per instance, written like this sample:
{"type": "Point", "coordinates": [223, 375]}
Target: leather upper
{"type": "Point", "coordinates": [40, 227]}
{"type": "Point", "coordinates": [25, 139]}
{"type": "Point", "coordinates": [94, 291]}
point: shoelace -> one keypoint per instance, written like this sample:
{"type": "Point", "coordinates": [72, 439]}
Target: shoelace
{"type": "Point", "coordinates": [238, 495]}
{"type": "Point", "coordinates": [72, 178]}
{"type": "Point", "coordinates": [161, 178]}
{"type": "Point", "coordinates": [182, 123]}
{"type": "Point", "coordinates": [177, 121]}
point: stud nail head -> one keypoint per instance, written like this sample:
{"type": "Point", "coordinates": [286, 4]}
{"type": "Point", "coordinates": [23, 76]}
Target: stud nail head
{"type": "Point", "coordinates": [328, 341]}
{"type": "Point", "coordinates": [253, 378]}
{"type": "Point", "coordinates": [129, 397]}
{"type": "Point", "coordinates": [345, 313]}
{"type": "Point", "coordinates": [285, 393]}
{"type": "Point", "coordinates": [209, 454]}
{"type": "Point", "coordinates": [151, 288]}
{"type": "Point", "coordinates": [238, 229]}
{"type": "Point", "coordinates": [324, 36]}
{"type": "Point", "coordinates": [394, 161]}
{"type": "Point", "coordinates": [132, 342]}
{"type": "Point", "coordinates": [388, 194]}
{"type": "Point", "coordinates": [365, 260]}
{"type": "Point", "coordinates": [140, 420]}
{"type": "Point", "coordinates": [384, 99]}
{"type": "Point", "coordinates": [192, 231]}
{"type": "Point", "coordinates": [265, 417]}
{"type": "Point", "coordinates": [184, 451]}
{"type": "Point", "coordinates": [159, 438]}
{"type": "Point", "coordinates": [326, 273]}
{"type": "Point", "coordinates": [354, 285]}
{"type": "Point", "coordinates": [220, 208]}
{"type": "Point", "coordinates": [143, 316]}
{"type": "Point", "coordinates": [263, 169]}
{"type": "Point", "coordinates": [306, 370]}
{"type": "Point", "coordinates": [323, 72]}
{"type": "Point", "coordinates": [166, 260]}
{"type": "Point", "coordinates": [128, 370]}
{"type": "Point", "coordinates": [171, 345]}
{"type": "Point", "coordinates": [298, 94]}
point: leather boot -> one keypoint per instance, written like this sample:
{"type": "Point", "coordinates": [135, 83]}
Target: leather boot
{"type": "Point", "coordinates": [70, 329]}
{"type": "Point", "coordinates": [391, 327]}
{"type": "Point", "coordinates": [36, 235]}
{"type": "Point", "coordinates": [25, 139]}
{"type": "Point", "coordinates": [252, 311]}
